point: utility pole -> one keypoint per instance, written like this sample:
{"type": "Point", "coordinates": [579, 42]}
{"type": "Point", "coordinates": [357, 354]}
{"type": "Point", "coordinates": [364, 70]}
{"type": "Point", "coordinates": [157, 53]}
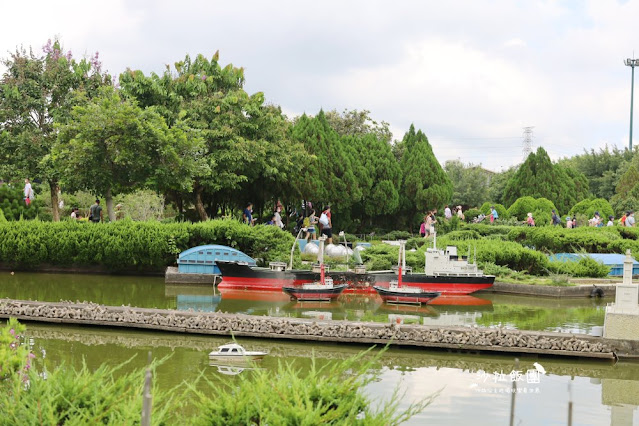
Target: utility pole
{"type": "Point", "coordinates": [631, 63]}
{"type": "Point", "coordinates": [527, 149]}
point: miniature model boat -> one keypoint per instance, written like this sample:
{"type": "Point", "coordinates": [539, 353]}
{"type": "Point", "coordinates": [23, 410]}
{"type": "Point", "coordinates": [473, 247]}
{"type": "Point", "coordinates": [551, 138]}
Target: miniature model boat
{"type": "Point", "coordinates": [405, 294]}
{"type": "Point", "coordinates": [235, 352]}
{"type": "Point", "coordinates": [316, 291]}
{"type": "Point", "coordinates": [444, 272]}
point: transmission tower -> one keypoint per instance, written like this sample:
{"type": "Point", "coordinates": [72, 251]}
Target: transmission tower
{"type": "Point", "coordinates": [527, 149]}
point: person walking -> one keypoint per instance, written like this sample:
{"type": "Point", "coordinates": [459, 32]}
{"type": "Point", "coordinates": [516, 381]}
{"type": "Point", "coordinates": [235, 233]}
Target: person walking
{"type": "Point", "coordinates": [247, 214]}
{"type": "Point", "coordinates": [529, 220]}
{"type": "Point", "coordinates": [447, 213]}
{"type": "Point", "coordinates": [28, 192]}
{"type": "Point", "coordinates": [493, 214]}
{"type": "Point", "coordinates": [630, 219]}
{"type": "Point", "coordinates": [327, 225]}
{"type": "Point", "coordinates": [95, 212]}
{"type": "Point", "coordinates": [556, 220]}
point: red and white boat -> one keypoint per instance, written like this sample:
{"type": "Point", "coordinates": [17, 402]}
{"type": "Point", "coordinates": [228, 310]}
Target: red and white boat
{"type": "Point", "coordinates": [444, 272]}
{"type": "Point", "coordinates": [323, 289]}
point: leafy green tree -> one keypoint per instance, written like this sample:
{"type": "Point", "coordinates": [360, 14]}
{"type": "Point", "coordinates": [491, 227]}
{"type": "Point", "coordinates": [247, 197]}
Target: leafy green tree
{"type": "Point", "coordinates": [498, 183]}
{"type": "Point", "coordinates": [425, 185]}
{"type": "Point", "coordinates": [470, 183]}
{"type": "Point", "coordinates": [36, 93]}
{"type": "Point", "coordinates": [358, 123]}
{"type": "Point", "coordinates": [111, 146]}
{"type": "Point", "coordinates": [601, 168]}
{"type": "Point", "coordinates": [538, 177]}
{"type": "Point", "coordinates": [246, 144]}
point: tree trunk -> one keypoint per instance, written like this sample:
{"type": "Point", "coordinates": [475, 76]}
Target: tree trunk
{"type": "Point", "coordinates": [55, 210]}
{"type": "Point", "coordinates": [199, 206]}
{"type": "Point", "coordinates": [109, 205]}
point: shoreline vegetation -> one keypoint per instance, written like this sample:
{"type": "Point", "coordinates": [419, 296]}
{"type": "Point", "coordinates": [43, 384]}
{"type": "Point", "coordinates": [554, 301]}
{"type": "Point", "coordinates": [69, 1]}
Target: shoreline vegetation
{"type": "Point", "coordinates": [514, 254]}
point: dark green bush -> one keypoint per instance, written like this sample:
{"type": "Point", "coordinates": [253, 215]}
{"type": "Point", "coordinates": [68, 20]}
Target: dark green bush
{"type": "Point", "coordinates": [466, 234]}
{"type": "Point", "coordinates": [13, 206]}
{"type": "Point", "coordinates": [501, 210]}
{"type": "Point", "coordinates": [127, 245]}
{"type": "Point", "coordinates": [471, 214]}
{"type": "Point", "coordinates": [396, 235]}
{"type": "Point", "coordinates": [444, 226]}
{"type": "Point", "coordinates": [483, 229]}
{"type": "Point", "coordinates": [589, 207]}
{"type": "Point", "coordinates": [585, 267]}
{"type": "Point", "coordinates": [554, 239]}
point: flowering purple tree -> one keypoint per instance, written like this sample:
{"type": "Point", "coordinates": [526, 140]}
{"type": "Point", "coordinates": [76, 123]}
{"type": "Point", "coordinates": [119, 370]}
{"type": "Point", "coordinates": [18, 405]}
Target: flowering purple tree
{"type": "Point", "coordinates": [37, 93]}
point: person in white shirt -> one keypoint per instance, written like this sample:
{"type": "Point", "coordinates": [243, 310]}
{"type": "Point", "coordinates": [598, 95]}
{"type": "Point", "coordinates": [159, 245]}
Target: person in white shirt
{"type": "Point", "coordinates": [630, 220]}
{"type": "Point", "coordinates": [28, 192]}
{"type": "Point", "coordinates": [447, 213]}
{"type": "Point", "coordinates": [610, 221]}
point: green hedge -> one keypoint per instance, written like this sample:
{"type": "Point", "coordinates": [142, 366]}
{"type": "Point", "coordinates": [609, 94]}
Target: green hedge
{"type": "Point", "coordinates": [502, 253]}
{"type": "Point", "coordinates": [129, 245]}
{"type": "Point", "coordinates": [553, 239]}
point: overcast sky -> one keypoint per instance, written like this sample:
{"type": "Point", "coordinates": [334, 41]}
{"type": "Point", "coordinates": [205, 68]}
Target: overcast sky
{"type": "Point", "coordinates": [470, 74]}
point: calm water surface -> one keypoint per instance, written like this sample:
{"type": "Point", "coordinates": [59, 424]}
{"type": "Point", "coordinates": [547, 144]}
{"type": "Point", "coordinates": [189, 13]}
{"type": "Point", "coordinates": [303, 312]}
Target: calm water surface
{"type": "Point", "coordinates": [471, 387]}
{"type": "Point", "coordinates": [470, 390]}
{"type": "Point", "coordinates": [488, 310]}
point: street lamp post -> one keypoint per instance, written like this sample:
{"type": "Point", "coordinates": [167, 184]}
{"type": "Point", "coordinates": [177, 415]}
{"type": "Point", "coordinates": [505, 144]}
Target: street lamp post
{"type": "Point", "coordinates": [631, 63]}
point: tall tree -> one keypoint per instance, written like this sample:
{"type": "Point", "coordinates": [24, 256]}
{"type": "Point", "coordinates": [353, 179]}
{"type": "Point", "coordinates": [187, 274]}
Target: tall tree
{"type": "Point", "coordinates": [36, 93]}
{"type": "Point", "coordinates": [111, 146]}
{"type": "Point", "coordinates": [238, 129]}
{"type": "Point", "coordinates": [538, 177]}
{"type": "Point", "coordinates": [425, 185]}
{"type": "Point", "coordinates": [470, 183]}
{"type": "Point", "coordinates": [602, 168]}
{"type": "Point", "coordinates": [328, 177]}
{"type": "Point", "coordinates": [376, 169]}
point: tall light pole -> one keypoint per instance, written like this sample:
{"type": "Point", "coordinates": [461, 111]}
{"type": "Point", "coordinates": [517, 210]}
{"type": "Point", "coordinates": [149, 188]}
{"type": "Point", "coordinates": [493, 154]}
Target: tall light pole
{"type": "Point", "coordinates": [631, 63]}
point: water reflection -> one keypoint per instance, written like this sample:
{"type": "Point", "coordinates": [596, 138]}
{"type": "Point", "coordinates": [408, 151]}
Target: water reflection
{"type": "Point", "coordinates": [489, 310]}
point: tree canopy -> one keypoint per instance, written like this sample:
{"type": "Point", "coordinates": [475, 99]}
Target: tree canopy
{"type": "Point", "coordinates": [538, 177]}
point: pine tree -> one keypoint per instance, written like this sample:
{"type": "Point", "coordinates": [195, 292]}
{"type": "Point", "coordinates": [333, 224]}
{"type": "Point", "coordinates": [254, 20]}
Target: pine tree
{"type": "Point", "coordinates": [425, 184]}
{"type": "Point", "coordinates": [539, 178]}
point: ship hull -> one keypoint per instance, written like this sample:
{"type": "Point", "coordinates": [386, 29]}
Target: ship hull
{"type": "Point", "coordinates": [400, 297]}
{"type": "Point", "coordinates": [243, 277]}
{"type": "Point", "coordinates": [300, 293]}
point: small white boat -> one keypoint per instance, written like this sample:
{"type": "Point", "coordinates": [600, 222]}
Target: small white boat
{"type": "Point", "coordinates": [235, 352]}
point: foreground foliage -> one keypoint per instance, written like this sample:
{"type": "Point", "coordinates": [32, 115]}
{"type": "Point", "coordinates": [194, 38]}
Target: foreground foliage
{"type": "Point", "coordinates": [331, 394]}
{"type": "Point", "coordinates": [326, 395]}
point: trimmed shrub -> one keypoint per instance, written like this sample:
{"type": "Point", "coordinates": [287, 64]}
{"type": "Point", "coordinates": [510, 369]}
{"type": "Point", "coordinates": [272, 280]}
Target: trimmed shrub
{"type": "Point", "coordinates": [503, 253]}
{"type": "Point", "coordinates": [558, 240]}
{"type": "Point", "coordinates": [128, 245]}
{"type": "Point", "coordinates": [585, 267]}
{"type": "Point", "coordinates": [466, 234]}
{"type": "Point", "coordinates": [501, 210]}
{"type": "Point", "coordinates": [13, 206]}
{"type": "Point", "coordinates": [471, 214]}
{"type": "Point", "coordinates": [485, 230]}
{"type": "Point", "coordinates": [589, 207]}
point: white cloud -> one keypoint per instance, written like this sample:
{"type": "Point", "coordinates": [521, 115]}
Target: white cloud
{"type": "Point", "coordinates": [469, 74]}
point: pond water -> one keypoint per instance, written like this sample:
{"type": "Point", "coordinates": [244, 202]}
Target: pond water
{"type": "Point", "coordinates": [487, 310]}
{"type": "Point", "coordinates": [471, 387]}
